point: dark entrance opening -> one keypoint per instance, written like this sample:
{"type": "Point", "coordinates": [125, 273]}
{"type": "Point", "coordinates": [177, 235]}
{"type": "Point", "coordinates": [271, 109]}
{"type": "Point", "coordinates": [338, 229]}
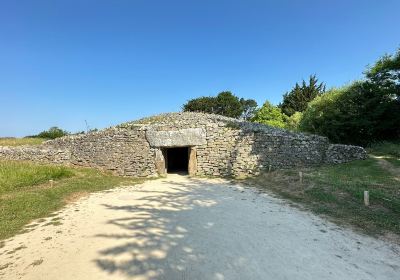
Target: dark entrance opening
{"type": "Point", "coordinates": [177, 160]}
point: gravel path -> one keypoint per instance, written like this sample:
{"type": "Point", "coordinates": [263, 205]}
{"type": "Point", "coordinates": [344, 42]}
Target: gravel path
{"type": "Point", "coordinates": [181, 228]}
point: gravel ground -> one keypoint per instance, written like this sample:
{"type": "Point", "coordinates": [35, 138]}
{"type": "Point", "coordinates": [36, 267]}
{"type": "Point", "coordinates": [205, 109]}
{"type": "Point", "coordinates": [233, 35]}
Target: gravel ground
{"type": "Point", "coordinates": [183, 228]}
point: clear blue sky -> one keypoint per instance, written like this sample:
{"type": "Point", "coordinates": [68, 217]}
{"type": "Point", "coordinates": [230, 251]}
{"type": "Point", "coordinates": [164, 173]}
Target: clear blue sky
{"type": "Point", "coordinates": [64, 62]}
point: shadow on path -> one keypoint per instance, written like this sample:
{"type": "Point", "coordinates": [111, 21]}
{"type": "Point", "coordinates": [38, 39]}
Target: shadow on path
{"type": "Point", "coordinates": [154, 244]}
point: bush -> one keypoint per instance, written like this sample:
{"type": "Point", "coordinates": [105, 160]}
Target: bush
{"type": "Point", "coordinates": [270, 115]}
{"type": "Point", "coordinates": [293, 121]}
{"type": "Point", "coordinates": [52, 133]}
{"type": "Point", "coordinates": [361, 113]}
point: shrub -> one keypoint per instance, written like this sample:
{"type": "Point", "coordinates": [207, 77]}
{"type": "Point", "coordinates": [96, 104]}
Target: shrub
{"type": "Point", "coordinates": [270, 115]}
{"type": "Point", "coordinates": [361, 113]}
{"type": "Point", "coordinates": [52, 133]}
{"type": "Point", "coordinates": [293, 121]}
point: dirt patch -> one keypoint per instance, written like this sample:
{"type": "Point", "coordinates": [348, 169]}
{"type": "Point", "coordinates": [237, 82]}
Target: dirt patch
{"type": "Point", "coordinates": [4, 266]}
{"type": "Point", "coordinates": [395, 171]}
{"type": "Point", "coordinates": [74, 197]}
{"type": "Point", "coordinates": [16, 249]}
{"type": "Point", "coordinates": [52, 223]}
{"type": "Point", "coordinates": [37, 262]}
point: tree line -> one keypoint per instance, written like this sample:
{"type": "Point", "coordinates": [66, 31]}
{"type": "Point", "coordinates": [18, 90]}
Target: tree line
{"type": "Point", "coordinates": [56, 132]}
{"type": "Point", "coordinates": [363, 112]}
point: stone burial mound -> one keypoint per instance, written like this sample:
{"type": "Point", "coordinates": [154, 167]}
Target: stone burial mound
{"type": "Point", "coordinates": [193, 143]}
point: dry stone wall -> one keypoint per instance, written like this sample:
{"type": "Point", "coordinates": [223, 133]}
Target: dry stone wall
{"type": "Point", "coordinates": [224, 147]}
{"type": "Point", "coordinates": [338, 153]}
{"type": "Point", "coordinates": [242, 151]}
{"type": "Point", "coordinates": [125, 152]}
{"type": "Point", "coordinates": [43, 155]}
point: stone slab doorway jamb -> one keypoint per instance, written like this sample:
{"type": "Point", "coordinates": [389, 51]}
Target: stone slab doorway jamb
{"type": "Point", "coordinates": [192, 165]}
{"type": "Point", "coordinates": [160, 163]}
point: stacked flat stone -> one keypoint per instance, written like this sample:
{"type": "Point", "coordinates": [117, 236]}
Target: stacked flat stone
{"type": "Point", "coordinates": [230, 147]}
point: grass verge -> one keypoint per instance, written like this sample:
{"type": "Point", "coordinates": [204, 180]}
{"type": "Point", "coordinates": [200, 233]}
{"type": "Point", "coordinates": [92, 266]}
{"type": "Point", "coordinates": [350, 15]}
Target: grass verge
{"type": "Point", "coordinates": [386, 149]}
{"type": "Point", "coordinates": [336, 191]}
{"type": "Point", "coordinates": [25, 193]}
{"type": "Point", "coordinates": [21, 141]}
{"type": "Point", "coordinates": [15, 176]}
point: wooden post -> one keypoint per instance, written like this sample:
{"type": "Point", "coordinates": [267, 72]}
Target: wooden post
{"type": "Point", "coordinates": [51, 183]}
{"type": "Point", "coordinates": [301, 177]}
{"type": "Point", "coordinates": [269, 168]}
{"type": "Point", "coordinates": [366, 198]}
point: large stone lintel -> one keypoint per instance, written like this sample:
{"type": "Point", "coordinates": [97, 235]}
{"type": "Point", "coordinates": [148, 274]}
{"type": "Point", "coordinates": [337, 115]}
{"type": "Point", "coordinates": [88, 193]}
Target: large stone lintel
{"type": "Point", "coordinates": [177, 138]}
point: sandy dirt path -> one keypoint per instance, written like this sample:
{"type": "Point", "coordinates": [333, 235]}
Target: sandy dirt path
{"type": "Point", "coordinates": [180, 228]}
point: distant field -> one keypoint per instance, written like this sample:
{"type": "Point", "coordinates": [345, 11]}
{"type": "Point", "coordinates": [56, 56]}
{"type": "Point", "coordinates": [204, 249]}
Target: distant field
{"type": "Point", "coordinates": [336, 191]}
{"type": "Point", "coordinates": [26, 194]}
{"type": "Point", "coordinates": [21, 141]}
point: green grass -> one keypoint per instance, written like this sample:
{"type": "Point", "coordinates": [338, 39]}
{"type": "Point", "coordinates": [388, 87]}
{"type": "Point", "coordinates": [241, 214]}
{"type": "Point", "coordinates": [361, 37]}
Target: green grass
{"type": "Point", "coordinates": [336, 191]}
{"type": "Point", "coordinates": [387, 149]}
{"type": "Point", "coordinates": [16, 175]}
{"type": "Point", "coordinates": [394, 161]}
{"type": "Point", "coordinates": [25, 192]}
{"type": "Point", "coordinates": [21, 141]}
{"type": "Point", "coordinates": [390, 151]}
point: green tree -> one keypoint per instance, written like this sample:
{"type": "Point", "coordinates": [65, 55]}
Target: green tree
{"type": "Point", "coordinates": [298, 98]}
{"type": "Point", "coordinates": [249, 107]}
{"type": "Point", "coordinates": [225, 104]}
{"type": "Point", "coordinates": [357, 114]}
{"type": "Point", "coordinates": [385, 74]}
{"type": "Point", "coordinates": [201, 104]}
{"type": "Point", "coordinates": [270, 115]}
{"type": "Point", "coordinates": [52, 133]}
{"type": "Point", "coordinates": [228, 105]}
{"type": "Point", "coordinates": [362, 113]}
